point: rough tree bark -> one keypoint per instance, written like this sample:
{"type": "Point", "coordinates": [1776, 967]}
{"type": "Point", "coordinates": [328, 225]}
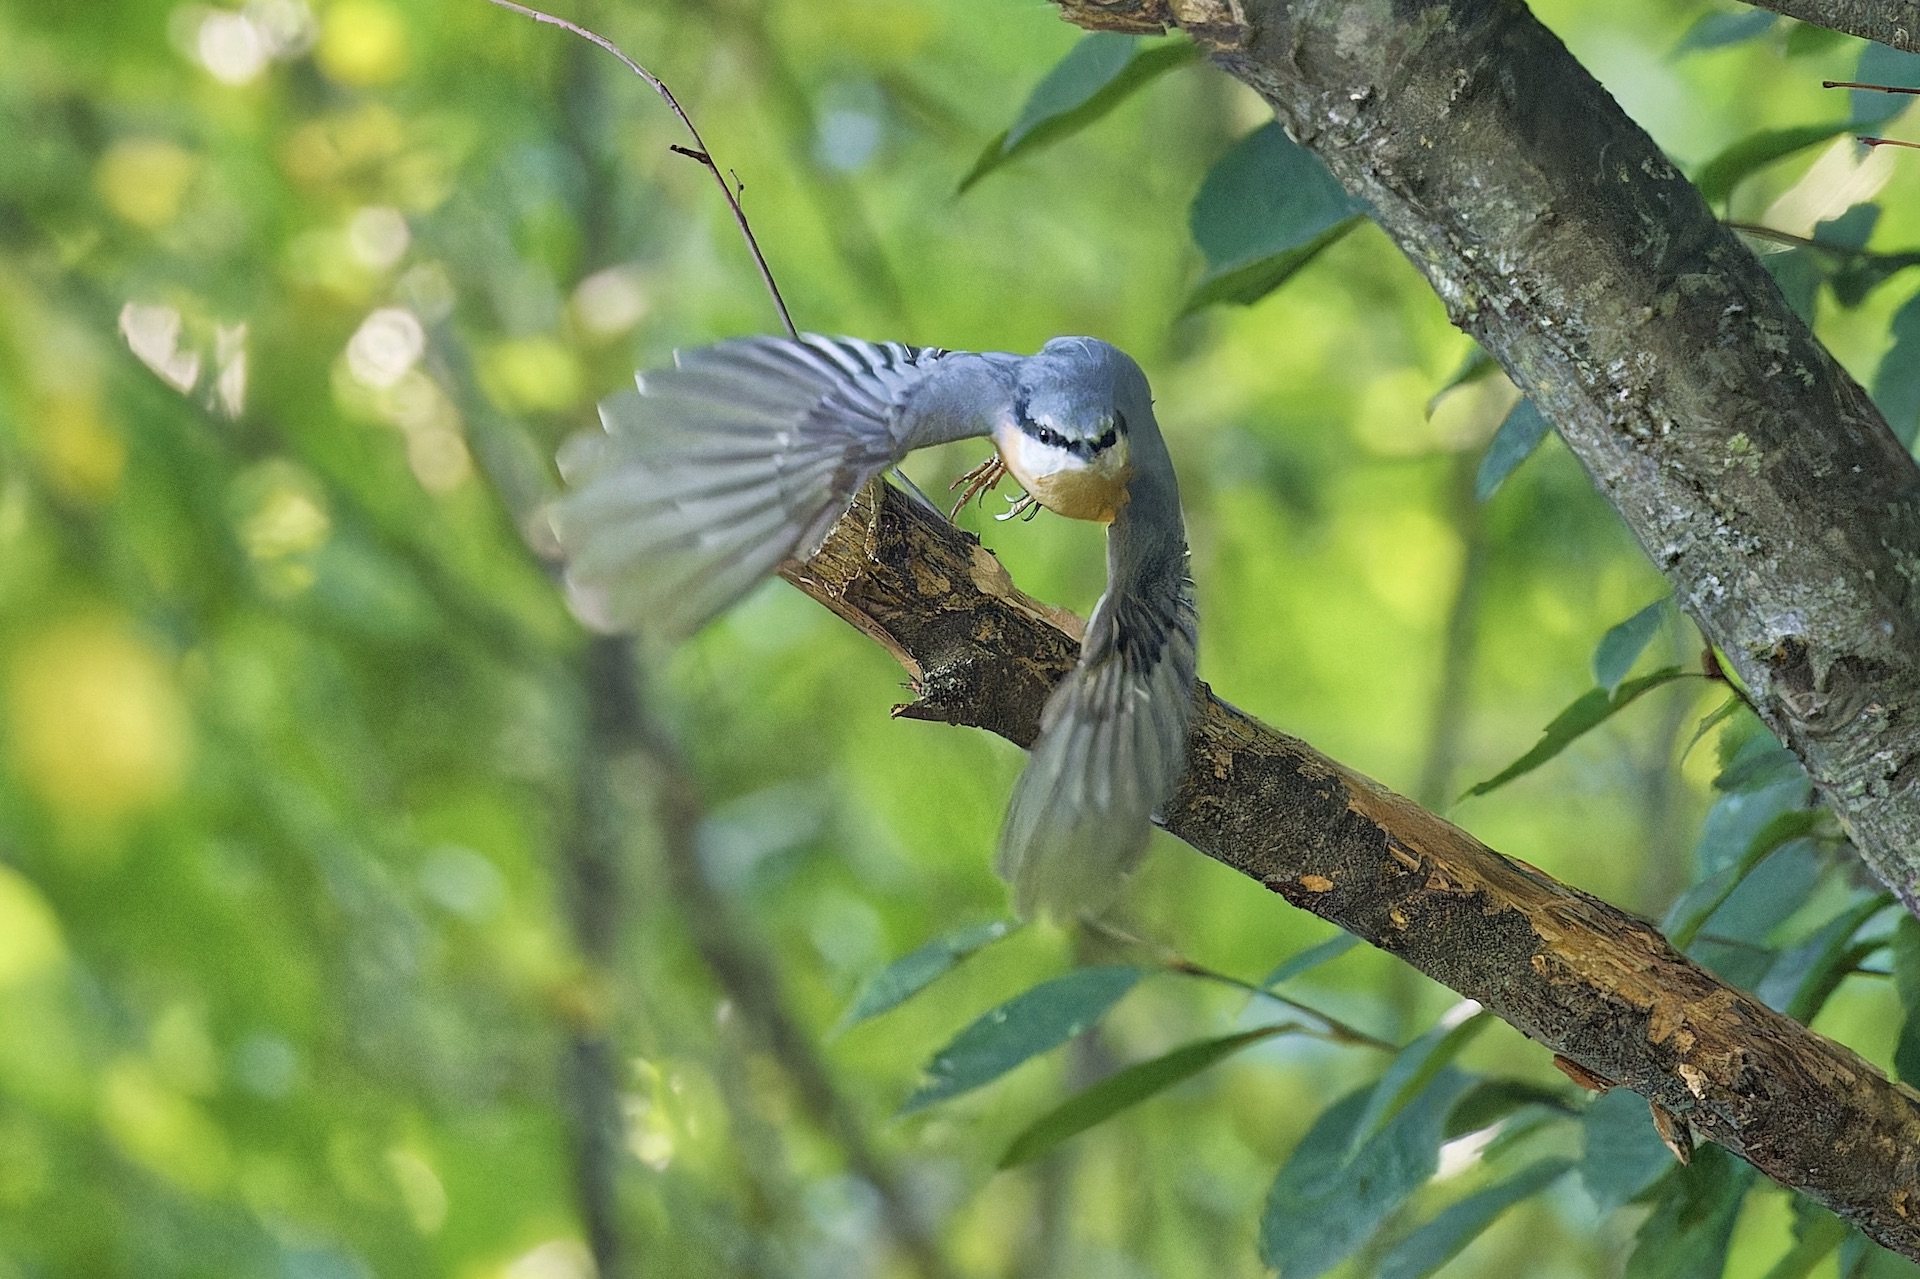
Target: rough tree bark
{"type": "Point", "coordinates": [1596, 986]}
{"type": "Point", "coordinates": [1894, 22]}
{"type": "Point", "coordinates": [1754, 471]}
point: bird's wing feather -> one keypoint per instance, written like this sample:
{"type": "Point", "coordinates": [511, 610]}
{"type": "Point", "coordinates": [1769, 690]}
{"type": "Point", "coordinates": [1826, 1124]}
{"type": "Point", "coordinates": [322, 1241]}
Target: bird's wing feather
{"type": "Point", "coordinates": [742, 455]}
{"type": "Point", "coordinates": [1112, 746]}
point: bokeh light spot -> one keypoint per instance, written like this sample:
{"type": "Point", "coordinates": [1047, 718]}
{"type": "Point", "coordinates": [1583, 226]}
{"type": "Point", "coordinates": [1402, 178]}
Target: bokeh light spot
{"type": "Point", "coordinates": [144, 181]}
{"type": "Point", "coordinates": [30, 941]}
{"type": "Point", "coordinates": [363, 42]}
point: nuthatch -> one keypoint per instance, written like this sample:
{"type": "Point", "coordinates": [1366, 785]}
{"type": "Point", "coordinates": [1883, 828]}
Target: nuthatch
{"type": "Point", "coordinates": [746, 453]}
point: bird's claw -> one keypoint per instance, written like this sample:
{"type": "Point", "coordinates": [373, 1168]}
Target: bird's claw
{"type": "Point", "coordinates": [981, 479]}
{"type": "Point", "coordinates": [1025, 505]}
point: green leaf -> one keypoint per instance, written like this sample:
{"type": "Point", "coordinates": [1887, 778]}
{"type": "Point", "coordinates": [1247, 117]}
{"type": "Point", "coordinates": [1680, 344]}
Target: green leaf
{"type": "Point", "coordinates": [1697, 904]}
{"type": "Point", "coordinates": [1125, 1088]}
{"type": "Point", "coordinates": [1712, 720]}
{"type": "Point", "coordinates": [1412, 1069]}
{"type": "Point", "coordinates": [912, 973]}
{"type": "Point", "coordinates": [1311, 957]}
{"type": "Point", "coordinates": [1717, 30]}
{"type": "Point", "coordinates": [1328, 1199]}
{"type": "Point", "coordinates": [1589, 710]}
{"type": "Point", "coordinates": [1262, 213]}
{"type": "Point", "coordinates": [1243, 286]}
{"type": "Point", "coordinates": [1799, 273]}
{"type": "Point", "coordinates": [1624, 1155]}
{"type": "Point", "coordinates": [1883, 64]}
{"type": "Point", "coordinates": [1819, 1233]}
{"type": "Point", "coordinates": [1519, 435]}
{"type": "Point", "coordinates": [1720, 175]}
{"type": "Point", "coordinates": [1896, 383]}
{"type": "Point", "coordinates": [1692, 1221]}
{"type": "Point", "coordinates": [1862, 1258]}
{"type": "Point", "coordinates": [1759, 762]}
{"type": "Point", "coordinates": [1025, 1026]}
{"type": "Point", "coordinates": [1906, 980]}
{"type": "Point", "coordinates": [1801, 979]}
{"type": "Point", "coordinates": [1475, 367]}
{"type": "Point", "coordinates": [1097, 75]}
{"type": "Point", "coordinates": [1621, 647]}
{"type": "Point", "coordinates": [1447, 1235]}
{"type": "Point", "coordinates": [1492, 1100]}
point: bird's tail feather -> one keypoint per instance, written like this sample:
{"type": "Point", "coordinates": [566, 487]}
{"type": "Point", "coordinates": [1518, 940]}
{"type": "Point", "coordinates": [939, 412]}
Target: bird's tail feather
{"type": "Point", "coordinates": [741, 456]}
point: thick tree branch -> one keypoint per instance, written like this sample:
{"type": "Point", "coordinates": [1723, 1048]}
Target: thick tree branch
{"type": "Point", "coordinates": [1894, 22]}
{"type": "Point", "coordinates": [1756, 474]}
{"type": "Point", "coordinates": [1589, 982]}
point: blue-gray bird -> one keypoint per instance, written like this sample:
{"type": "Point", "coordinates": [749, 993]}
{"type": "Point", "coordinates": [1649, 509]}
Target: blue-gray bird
{"type": "Point", "coordinates": [746, 453]}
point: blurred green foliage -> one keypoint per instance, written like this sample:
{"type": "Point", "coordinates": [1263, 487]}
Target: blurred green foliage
{"type": "Point", "coordinates": [300, 929]}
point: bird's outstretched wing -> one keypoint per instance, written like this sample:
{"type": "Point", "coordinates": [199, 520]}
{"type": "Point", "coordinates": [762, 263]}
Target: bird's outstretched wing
{"type": "Point", "coordinates": [1112, 746]}
{"type": "Point", "coordinates": [742, 455]}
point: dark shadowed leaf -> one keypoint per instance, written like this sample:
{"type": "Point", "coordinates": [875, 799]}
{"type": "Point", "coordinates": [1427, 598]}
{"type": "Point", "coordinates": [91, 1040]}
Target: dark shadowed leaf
{"type": "Point", "coordinates": [1720, 175]}
{"type": "Point", "coordinates": [1717, 30]}
{"type": "Point", "coordinates": [1621, 647]}
{"type": "Point", "coordinates": [1023, 1027]}
{"type": "Point", "coordinates": [1698, 903]}
{"type": "Point", "coordinates": [1883, 64]}
{"type": "Point", "coordinates": [1624, 1155]}
{"type": "Point", "coordinates": [1692, 1221]}
{"type": "Point", "coordinates": [1519, 435]}
{"type": "Point", "coordinates": [912, 973]}
{"type": "Point", "coordinates": [1476, 366]}
{"type": "Point", "coordinates": [1095, 77]}
{"type": "Point", "coordinates": [1442, 1239]}
{"type": "Point", "coordinates": [1799, 273]}
{"type": "Point", "coordinates": [1492, 1100]}
{"type": "Point", "coordinates": [1802, 978]}
{"type": "Point", "coordinates": [1123, 1089]}
{"type": "Point", "coordinates": [1760, 762]}
{"type": "Point", "coordinates": [1896, 383]}
{"type": "Point", "coordinates": [1590, 710]}
{"type": "Point", "coordinates": [1817, 1233]}
{"type": "Point", "coordinates": [1311, 957]}
{"type": "Point", "coordinates": [1412, 1069]}
{"type": "Point", "coordinates": [1906, 980]}
{"type": "Point", "coordinates": [1851, 230]}
{"type": "Point", "coordinates": [1263, 212]}
{"type": "Point", "coordinates": [1324, 1205]}
{"type": "Point", "coordinates": [1862, 1258]}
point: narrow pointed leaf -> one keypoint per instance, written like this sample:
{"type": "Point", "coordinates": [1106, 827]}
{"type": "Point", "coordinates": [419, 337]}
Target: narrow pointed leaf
{"type": "Point", "coordinates": [1697, 904]}
{"type": "Point", "coordinates": [1097, 75]}
{"type": "Point", "coordinates": [914, 972]}
{"type": "Point", "coordinates": [1492, 1100]}
{"type": "Point", "coordinates": [1266, 208]}
{"type": "Point", "coordinates": [1800, 981]}
{"type": "Point", "coordinates": [1623, 1155]}
{"type": "Point", "coordinates": [1687, 1235]}
{"type": "Point", "coordinates": [1125, 1088]}
{"type": "Point", "coordinates": [1447, 1235]}
{"type": "Point", "coordinates": [1591, 709]}
{"type": "Point", "coordinates": [1519, 434]}
{"type": "Point", "coordinates": [1906, 980]}
{"type": "Point", "coordinates": [1412, 1070]}
{"type": "Point", "coordinates": [1621, 647]}
{"type": "Point", "coordinates": [1476, 366]}
{"type": "Point", "coordinates": [1718, 30]}
{"type": "Point", "coordinates": [1330, 1199]}
{"type": "Point", "coordinates": [1711, 721]}
{"type": "Point", "coordinates": [1720, 175]}
{"type": "Point", "coordinates": [1025, 1026]}
{"type": "Point", "coordinates": [1311, 957]}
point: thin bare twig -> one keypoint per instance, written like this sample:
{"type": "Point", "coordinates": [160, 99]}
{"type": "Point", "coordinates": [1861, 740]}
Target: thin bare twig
{"type": "Point", "coordinates": [698, 152]}
{"type": "Point", "coordinates": [1855, 84]}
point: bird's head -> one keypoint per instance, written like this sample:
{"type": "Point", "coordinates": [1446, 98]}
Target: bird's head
{"type": "Point", "coordinates": [1064, 438]}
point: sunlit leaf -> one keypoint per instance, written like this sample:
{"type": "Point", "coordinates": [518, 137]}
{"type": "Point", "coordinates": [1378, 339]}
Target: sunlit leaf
{"type": "Point", "coordinates": [1519, 434]}
{"type": "Point", "coordinates": [1310, 958]}
{"type": "Point", "coordinates": [1621, 646]}
{"type": "Point", "coordinates": [1720, 175]}
{"type": "Point", "coordinates": [1697, 905]}
{"type": "Point", "coordinates": [1442, 1239]}
{"type": "Point", "coordinates": [1712, 720]}
{"type": "Point", "coordinates": [1125, 1088]}
{"type": "Point", "coordinates": [1589, 711]}
{"type": "Point", "coordinates": [1819, 1233]}
{"type": "Point", "coordinates": [1096, 76]}
{"type": "Point", "coordinates": [1623, 1155]}
{"type": "Point", "coordinates": [1023, 1027]}
{"type": "Point", "coordinates": [1264, 211]}
{"type": "Point", "coordinates": [1686, 1237]}
{"type": "Point", "coordinates": [1330, 1199]}
{"type": "Point", "coordinates": [1412, 1069]}
{"type": "Point", "coordinates": [1718, 30]}
{"type": "Point", "coordinates": [914, 972]}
